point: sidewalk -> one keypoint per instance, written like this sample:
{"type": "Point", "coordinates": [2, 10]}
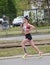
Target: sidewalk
{"type": "Point", "coordinates": [20, 56]}
{"type": "Point", "coordinates": [30, 60]}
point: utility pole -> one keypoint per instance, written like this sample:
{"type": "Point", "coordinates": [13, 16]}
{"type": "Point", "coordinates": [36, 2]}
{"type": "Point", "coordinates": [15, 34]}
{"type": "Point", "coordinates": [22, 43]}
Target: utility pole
{"type": "Point", "coordinates": [48, 12]}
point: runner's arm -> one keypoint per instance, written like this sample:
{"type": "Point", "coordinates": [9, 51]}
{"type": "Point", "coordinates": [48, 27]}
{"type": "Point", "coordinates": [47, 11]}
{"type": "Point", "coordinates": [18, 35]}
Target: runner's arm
{"type": "Point", "coordinates": [21, 26]}
{"type": "Point", "coordinates": [32, 27]}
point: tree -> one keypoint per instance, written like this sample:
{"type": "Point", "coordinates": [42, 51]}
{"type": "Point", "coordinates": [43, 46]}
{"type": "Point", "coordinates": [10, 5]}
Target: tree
{"type": "Point", "coordinates": [3, 7]}
{"type": "Point", "coordinates": [7, 7]}
{"type": "Point", "coordinates": [22, 5]}
{"type": "Point", "coordinates": [12, 10]}
{"type": "Point", "coordinates": [43, 5]}
{"type": "Point", "coordinates": [47, 1]}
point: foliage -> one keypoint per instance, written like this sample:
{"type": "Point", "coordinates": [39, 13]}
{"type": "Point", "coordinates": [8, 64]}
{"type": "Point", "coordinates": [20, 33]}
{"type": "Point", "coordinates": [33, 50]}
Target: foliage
{"type": "Point", "coordinates": [22, 5]}
{"type": "Point", "coordinates": [3, 7]}
{"type": "Point", "coordinates": [7, 7]}
{"type": "Point", "coordinates": [12, 10]}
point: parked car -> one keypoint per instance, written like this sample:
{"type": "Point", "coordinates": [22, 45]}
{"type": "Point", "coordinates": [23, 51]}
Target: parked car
{"type": "Point", "coordinates": [17, 21]}
{"type": "Point", "coordinates": [4, 23]}
{"type": "Point", "coordinates": [1, 20]}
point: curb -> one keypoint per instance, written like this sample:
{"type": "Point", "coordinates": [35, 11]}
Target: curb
{"type": "Point", "coordinates": [19, 56]}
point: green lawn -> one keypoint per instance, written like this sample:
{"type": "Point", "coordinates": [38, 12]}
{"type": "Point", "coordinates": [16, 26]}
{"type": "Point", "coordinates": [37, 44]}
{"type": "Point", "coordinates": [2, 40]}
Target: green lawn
{"type": "Point", "coordinates": [19, 50]}
{"type": "Point", "coordinates": [17, 31]}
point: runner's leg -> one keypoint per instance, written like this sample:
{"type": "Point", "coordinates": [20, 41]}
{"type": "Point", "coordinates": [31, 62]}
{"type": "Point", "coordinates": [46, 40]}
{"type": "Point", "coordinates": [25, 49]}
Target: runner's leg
{"type": "Point", "coordinates": [24, 48]}
{"type": "Point", "coordinates": [23, 44]}
{"type": "Point", "coordinates": [35, 47]}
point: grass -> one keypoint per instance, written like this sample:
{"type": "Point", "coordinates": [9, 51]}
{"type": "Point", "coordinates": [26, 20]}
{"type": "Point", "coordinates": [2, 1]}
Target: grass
{"type": "Point", "coordinates": [17, 31]}
{"type": "Point", "coordinates": [19, 50]}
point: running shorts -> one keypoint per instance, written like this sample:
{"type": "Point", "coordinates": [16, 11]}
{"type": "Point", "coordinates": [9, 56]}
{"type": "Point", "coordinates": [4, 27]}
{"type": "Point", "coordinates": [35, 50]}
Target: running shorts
{"type": "Point", "coordinates": [28, 36]}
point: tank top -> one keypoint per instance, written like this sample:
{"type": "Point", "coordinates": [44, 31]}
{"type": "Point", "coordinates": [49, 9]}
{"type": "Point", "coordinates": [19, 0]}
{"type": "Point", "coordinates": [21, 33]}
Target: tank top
{"type": "Point", "coordinates": [25, 27]}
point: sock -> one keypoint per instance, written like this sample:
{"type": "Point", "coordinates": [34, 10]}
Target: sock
{"type": "Point", "coordinates": [24, 49]}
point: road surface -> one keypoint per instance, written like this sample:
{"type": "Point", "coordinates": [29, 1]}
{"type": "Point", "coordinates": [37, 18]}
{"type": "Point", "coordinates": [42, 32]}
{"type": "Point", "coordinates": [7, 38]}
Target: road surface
{"type": "Point", "coordinates": [45, 60]}
{"type": "Point", "coordinates": [35, 36]}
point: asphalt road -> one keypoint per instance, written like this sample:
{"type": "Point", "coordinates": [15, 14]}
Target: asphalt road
{"type": "Point", "coordinates": [35, 36]}
{"type": "Point", "coordinates": [45, 60]}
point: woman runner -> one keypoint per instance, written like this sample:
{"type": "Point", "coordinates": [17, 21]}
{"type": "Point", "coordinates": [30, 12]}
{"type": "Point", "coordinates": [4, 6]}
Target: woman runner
{"type": "Point", "coordinates": [26, 27]}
